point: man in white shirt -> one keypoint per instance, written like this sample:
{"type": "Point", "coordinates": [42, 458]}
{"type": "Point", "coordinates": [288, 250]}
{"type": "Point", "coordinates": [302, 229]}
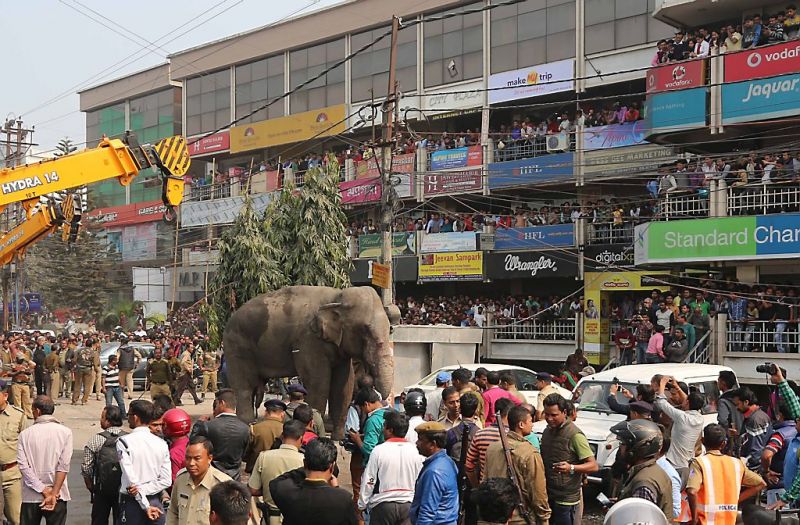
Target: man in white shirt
{"type": "Point", "coordinates": [700, 49]}
{"type": "Point", "coordinates": [414, 405]}
{"type": "Point", "coordinates": [687, 421]}
{"type": "Point", "coordinates": [479, 317]}
{"type": "Point", "coordinates": [387, 488]}
{"type": "Point", "coordinates": [146, 469]}
{"type": "Point", "coordinates": [435, 398]}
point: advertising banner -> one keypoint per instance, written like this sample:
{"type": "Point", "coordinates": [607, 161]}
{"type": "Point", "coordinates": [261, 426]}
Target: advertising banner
{"type": "Point", "coordinates": [449, 242]}
{"type": "Point", "coordinates": [767, 61]}
{"type": "Point", "coordinates": [448, 182]}
{"type": "Point", "coordinates": [380, 276]}
{"type": "Point", "coordinates": [605, 256]}
{"type": "Point", "coordinates": [323, 122]}
{"type": "Point", "coordinates": [458, 266]}
{"type": "Point", "coordinates": [211, 144]}
{"type": "Point", "coordinates": [532, 81]}
{"type": "Point", "coordinates": [129, 214]}
{"type": "Point", "coordinates": [456, 158]}
{"type": "Point", "coordinates": [402, 168]}
{"type": "Point", "coordinates": [402, 244]}
{"type": "Point", "coordinates": [404, 270]}
{"type": "Point", "coordinates": [531, 265]}
{"type": "Point", "coordinates": [551, 236]}
{"type": "Point", "coordinates": [675, 111]}
{"type": "Point", "coordinates": [614, 135]}
{"type": "Point", "coordinates": [446, 102]}
{"type": "Point", "coordinates": [761, 99]}
{"type": "Point", "coordinates": [727, 238]}
{"type": "Point", "coordinates": [547, 168]}
{"type": "Point", "coordinates": [622, 161]}
{"type": "Point", "coordinates": [671, 77]}
{"type": "Point", "coordinates": [360, 191]}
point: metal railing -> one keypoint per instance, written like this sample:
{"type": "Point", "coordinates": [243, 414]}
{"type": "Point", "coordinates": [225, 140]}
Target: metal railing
{"type": "Point", "coordinates": [682, 205]}
{"type": "Point", "coordinates": [764, 199]}
{"type": "Point", "coordinates": [610, 233]}
{"type": "Point", "coordinates": [762, 336]}
{"type": "Point", "coordinates": [534, 330]}
{"type": "Point", "coordinates": [700, 352]}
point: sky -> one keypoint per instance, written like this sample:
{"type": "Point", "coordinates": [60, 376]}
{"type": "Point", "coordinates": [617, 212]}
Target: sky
{"type": "Point", "coordinates": [54, 48]}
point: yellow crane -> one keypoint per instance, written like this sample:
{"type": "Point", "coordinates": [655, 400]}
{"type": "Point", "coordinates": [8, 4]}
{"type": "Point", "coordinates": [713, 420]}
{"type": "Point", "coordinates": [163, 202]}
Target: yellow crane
{"type": "Point", "coordinates": [120, 159]}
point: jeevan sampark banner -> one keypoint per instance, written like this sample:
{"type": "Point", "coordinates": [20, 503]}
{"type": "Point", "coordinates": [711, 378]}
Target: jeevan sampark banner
{"type": "Point", "coordinates": [726, 238]}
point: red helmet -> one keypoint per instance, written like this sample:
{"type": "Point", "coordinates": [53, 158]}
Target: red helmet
{"type": "Point", "coordinates": [176, 423]}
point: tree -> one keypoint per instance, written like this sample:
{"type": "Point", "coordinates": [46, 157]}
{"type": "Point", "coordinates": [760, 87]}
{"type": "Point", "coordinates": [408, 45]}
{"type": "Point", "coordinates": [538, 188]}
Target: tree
{"type": "Point", "coordinates": [321, 247]}
{"type": "Point", "coordinates": [248, 266]}
{"type": "Point", "coordinates": [65, 147]}
{"type": "Point", "coordinates": [280, 228]}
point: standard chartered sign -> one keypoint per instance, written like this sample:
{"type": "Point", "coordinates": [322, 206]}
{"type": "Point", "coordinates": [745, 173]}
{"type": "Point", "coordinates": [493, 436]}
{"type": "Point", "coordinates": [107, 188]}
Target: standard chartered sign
{"type": "Point", "coordinates": [728, 238]}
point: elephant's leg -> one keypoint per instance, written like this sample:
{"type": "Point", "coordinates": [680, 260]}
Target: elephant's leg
{"type": "Point", "coordinates": [316, 379]}
{"type": "Point", "coordinates": [243, 377]}
{"type": "Point", "coordinates": [342, 380]}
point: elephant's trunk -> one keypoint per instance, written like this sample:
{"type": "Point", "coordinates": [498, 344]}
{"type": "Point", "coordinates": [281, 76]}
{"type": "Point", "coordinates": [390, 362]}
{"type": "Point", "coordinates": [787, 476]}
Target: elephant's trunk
{"type": "Point", "coordinates": [383, 370]}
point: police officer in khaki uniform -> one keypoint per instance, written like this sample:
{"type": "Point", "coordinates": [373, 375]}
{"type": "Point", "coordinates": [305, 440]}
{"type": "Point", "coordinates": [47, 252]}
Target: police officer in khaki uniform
{"type": "Point", "coordinates": [12, 422]}
{"type": "Point", "coordinates": [159, 375]}
{"type": "Point", "coordinates": [97, 371]}
{"type": "Point", "coordinates": [190, 503]}
{"type": "Point", "coordinates": [21, 373]}
{"type": "Point", "coordinates": [52, 367]}
{"type": "Point", "coordinates": [209, 366]}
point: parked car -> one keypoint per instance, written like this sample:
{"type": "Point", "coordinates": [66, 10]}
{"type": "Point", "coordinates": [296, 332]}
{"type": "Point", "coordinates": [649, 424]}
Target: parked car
{"type": "Point", "coordinates": [525, 379]}
{"type": "Point", "coordinates": [595, 418]}
{"type": "Point", "coordinates": [146, 351]}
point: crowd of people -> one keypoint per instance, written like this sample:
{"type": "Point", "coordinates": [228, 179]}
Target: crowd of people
{"type": "Point", "coordinates": [774, 28]}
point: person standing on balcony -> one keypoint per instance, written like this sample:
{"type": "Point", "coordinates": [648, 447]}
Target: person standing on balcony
{"type": "Point", "coordinates": [751, 34]}
{"type": "Point", "coordinates": [737, 312]}
{"type": "Point", "coordinates": [782, 316]}
{"type": "Point", "coordinates": [733, 40]}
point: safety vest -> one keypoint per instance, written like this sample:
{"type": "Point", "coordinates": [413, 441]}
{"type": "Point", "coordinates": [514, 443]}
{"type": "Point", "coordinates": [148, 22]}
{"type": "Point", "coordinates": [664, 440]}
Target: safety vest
{"type": "Point", "coordinates": [686, 514]}
{"type": "Point", "coordinates": [718, 497]}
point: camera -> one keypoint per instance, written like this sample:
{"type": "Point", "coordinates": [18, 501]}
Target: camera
{"type": "Point", "coordinates": [767, 368]}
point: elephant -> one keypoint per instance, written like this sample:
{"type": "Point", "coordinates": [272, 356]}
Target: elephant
{"type": "Point", "coordinates": [314, 332]}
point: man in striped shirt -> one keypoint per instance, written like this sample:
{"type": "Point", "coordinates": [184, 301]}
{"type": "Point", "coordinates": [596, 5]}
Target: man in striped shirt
{"type": "Point", "coordinates": [476, 454]}
{"type": "Point", "coordinates": [111, 385]}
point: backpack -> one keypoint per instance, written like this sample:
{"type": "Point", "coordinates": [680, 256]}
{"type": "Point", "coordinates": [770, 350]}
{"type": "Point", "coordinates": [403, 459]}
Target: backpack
{"type": "Point", "coordinates": [107, 470]}
{"type": "Point", "coordinates": [454, 439]}
{"type": "Point", "coordinates": [85, 361]}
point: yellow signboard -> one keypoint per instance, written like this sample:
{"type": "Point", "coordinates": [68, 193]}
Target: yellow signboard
{"type": "Point", "coordinates": [455, 266]}
{"type": "Point", "coordinates": [380, 275]}
{"type": "Point", "coordinates": [292, 128]}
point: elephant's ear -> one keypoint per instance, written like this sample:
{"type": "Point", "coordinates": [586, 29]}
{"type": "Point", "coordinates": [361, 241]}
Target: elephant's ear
{"type": "Point", "coordinates": [329, 323]}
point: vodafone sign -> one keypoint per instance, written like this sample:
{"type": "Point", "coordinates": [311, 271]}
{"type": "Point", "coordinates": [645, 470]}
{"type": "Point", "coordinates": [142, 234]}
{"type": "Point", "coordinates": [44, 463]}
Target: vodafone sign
{"type": "Point", "coordinates": [680, 75]}
{"type": "Point", "coordinates": [768, 61]}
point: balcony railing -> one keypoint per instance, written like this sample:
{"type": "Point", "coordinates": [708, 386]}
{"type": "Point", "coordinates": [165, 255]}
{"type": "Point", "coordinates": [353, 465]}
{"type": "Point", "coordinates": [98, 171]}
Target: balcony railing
{"type": "Point", "coordinates": [683, 205]}
{"type": "Point", "coordinates": [763, 199]}
{"type": "Point", "coordinates": [763, 336]}
{"type": "Point", "coordinates": [610, 233]}
{"type": "Point", "coordinates": [535, 330]}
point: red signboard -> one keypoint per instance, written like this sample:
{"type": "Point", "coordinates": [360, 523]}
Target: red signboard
{"type": "Point", "coordinates": [204, 145]}
{"type": "Point", "coordinates": [360, 191]}
{"type": "Point", "coordinates": [453, 182]}
{"type": "Point", "coordinates": [679, 75]}
{"type": "Point", "coordinates": [768, 61]}
{"type": "Point", "coordinates": [367, 169]}
{"type": "Point", "coordinates": [129, 214]}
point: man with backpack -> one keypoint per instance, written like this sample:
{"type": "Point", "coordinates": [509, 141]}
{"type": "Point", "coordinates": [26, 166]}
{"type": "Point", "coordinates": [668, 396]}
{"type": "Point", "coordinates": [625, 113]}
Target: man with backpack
{"type": "Point", "coordinates": [100, 468]}
{"type": "Point", "coordinates": [84, 373]}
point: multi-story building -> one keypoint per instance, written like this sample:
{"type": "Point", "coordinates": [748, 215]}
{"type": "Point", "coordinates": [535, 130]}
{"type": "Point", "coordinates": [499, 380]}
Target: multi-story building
{"type": "Point", "coordinates": [480, 76]}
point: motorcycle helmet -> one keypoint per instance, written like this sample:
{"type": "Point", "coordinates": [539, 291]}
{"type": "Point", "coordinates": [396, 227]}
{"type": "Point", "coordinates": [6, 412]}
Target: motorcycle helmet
{"type": "Point", "coordinates": [415, 403]}
{"type": "Point", "coordinates": [637, 511]}
{"type": "Point", "coordinates": [642, 438]}
{"type": "Point", "coordinates": [176, 423]}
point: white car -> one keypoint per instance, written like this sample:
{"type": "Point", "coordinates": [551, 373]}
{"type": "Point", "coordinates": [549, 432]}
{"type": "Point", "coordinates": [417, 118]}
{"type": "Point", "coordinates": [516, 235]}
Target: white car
{"type": "Point", "coordinates": [595, 418]}
{"type": "Point", "coordinates": [526, 379]}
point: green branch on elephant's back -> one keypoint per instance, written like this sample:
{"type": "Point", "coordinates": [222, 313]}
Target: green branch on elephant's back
{"type": "Point", "coordinates": [301, 239]}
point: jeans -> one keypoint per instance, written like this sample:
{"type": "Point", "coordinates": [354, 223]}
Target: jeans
{"type": "Point", "coordinates": [130, 513]}
{"type": "Point", "coordinates": [562, 514]}
{"type": "Point", "coordinates": [390, 513]}
{"type": "Point", "coordinates": [102, 506]}
{"type": "Point", "coordinates": [641, 350]}
{"type": "Point", "coordinates": [736, 336]}
{"type": "Point", "coordinates": [115, 393]}
{"type": "Point", "coordinates": [774, 495]}
{"type": "Point", "coordinates": [626, 356]}
{"type": "Point", "coordinates": [32, 514]}
{"type": "Point", "coordinates": [748, 336]}
{"type": "Point", "coordinates": [780, 338]}
{"type": "Point", "coordinates": [654, 359]}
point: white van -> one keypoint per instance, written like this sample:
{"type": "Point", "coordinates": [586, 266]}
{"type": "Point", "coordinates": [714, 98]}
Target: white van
{"type": "Point", "coordinates": [595, 418]}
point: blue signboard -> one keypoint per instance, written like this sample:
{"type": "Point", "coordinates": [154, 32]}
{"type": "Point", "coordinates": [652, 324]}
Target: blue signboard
{"type": "Point", "coordinates": [761, 99]}
{"type": "Point", "coordinates": [547, 168]}
{"type": "Point", "coordinates": [676, 110]}
{"type": "Point", "coordinates": [614, 135]}
{"type": "Point", "coordinates": [456, 158]}
{"type": "Point", "coordinates": [552, 236]}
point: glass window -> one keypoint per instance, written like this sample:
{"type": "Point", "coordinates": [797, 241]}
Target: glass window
{"type": "Point", "coordinates": [615, 24]}
{"type": "Point", "coordinates": [631, 31]}
{"type": "Point", "coordinates": [257, 83]}
{"type": "Point", "coordinates": [308, 63]}
{"type": "Point", "coordinates": [599, 38]}
{"type": "Point", "coordinates": [450, 46]}
{"type": "Point", "coordinates": [626, 8]}
{"type": "Point", "coordinates": [560, 18]}
{"type": "Point", "coordinates": [208, 102]}
{"type": "Point", "coordinates": [369, 70]}
{"type": "Point", "coordinates": [109, 121]}
{"type": "Point", "coordinates": [598, 11]}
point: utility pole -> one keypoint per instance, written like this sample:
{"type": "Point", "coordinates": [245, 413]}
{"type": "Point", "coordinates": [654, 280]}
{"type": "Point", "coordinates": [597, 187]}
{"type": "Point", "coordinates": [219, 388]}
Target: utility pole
{"type": "Point", "coordinates": [16, 143]}
{"type": "Point", "coordinates": [387, 191]}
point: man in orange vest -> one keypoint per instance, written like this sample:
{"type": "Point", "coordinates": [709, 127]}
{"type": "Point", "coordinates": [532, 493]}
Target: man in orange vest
{"type": "Point", "coordinates": [718, 483]}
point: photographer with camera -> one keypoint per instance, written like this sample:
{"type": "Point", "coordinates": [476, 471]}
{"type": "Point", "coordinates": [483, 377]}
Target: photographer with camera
{"type": "Point", "coordinates": [687, 421]}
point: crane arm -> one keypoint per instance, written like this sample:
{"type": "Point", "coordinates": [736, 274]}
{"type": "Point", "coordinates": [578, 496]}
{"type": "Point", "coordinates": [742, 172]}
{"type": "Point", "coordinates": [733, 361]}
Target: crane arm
{"type": "Point", "coordinates": [42, 223]}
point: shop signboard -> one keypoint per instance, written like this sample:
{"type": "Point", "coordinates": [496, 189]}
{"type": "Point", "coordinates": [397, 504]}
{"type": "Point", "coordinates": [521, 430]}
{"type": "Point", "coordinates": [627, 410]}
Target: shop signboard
{"type": "Point", "coordinates": [454, 100]}
{"type": "Point", "coordinates": [761, 99]}
{"type": "Point", "coordinates": [533, 237]}
{"type": "Point", "coordinates": [402, 169]}
{"type": "Point", "coordinates": [323, 122]}
{"type": "Point", "coordinates": [370, 245]}
{"type": "Point", "coordinates": [718, 239]}
{"type": "Point", "coordinates": [674, 111]}
{"type": "Point", "coordinates": [404, 269]}
{"type": "Point", "coordinates": [762, 62]}
{"type": "Point", "coordinates": [608, 256]}
{"type": "Point", "coordinates": [450, 182]}
{"type": "Point", "coordinates": [676, 76]}
{"type": "Point", "coordinates": [203, 145]}
{"type": "Point", "coordinates": [533, 81]}
{"type": "Point", "coordinates": [456, 158]}
{"type": "Point", "coordinates": [360, 191]}
{"type": "Point", "coordinates": [449, 242]}
{"type": "Point", "coordinates": [614, 135]}
{"type": "Point", "coordinates": [129, 214]}
{"type": "Point", "coordinates": [531, 265]}
{"type": "Point", "coordinates": [219, 211]}
{"type": "Point", "coordinates": [456, 266]}
{"type": "Point", "coordinates": [380, 276]}
{"type": "Point", "coordinates": [515, 173]}
{"type": "Point", "coordinates": [622, 161]}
